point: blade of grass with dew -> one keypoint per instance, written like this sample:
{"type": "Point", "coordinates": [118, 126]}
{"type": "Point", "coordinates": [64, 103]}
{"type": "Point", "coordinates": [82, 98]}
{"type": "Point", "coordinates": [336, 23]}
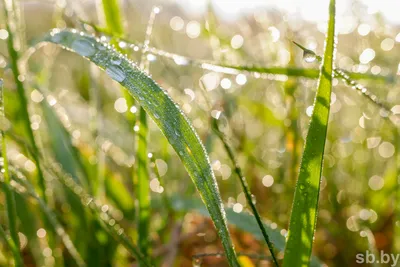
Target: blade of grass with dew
{"type": "Point", "coordinates": [305, 204]}
{"type": "Point", "coordinates": [14, 57]}
{"type": "Point", "coordinates": [251, 70]}
{"type": "Point", "coordinates": [10, 200]}
{"type": "Point", "coordinates": [114, 24]}
{"type": "Point", "coordinates": [349, 80]}
{"type": "Point", "coordinates": [165, 113]}
{"type": "Point", "coordinates": [245, 187]}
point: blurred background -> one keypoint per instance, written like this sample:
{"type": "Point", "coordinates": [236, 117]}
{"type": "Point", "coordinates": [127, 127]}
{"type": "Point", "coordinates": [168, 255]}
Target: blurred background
{"type": "Point", "coordinates": [265, 117]}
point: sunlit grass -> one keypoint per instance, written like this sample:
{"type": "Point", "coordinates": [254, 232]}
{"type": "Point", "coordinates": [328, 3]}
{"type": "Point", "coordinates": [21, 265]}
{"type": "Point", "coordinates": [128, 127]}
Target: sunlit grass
{"type": "Point", "coordinates": [95, 150]}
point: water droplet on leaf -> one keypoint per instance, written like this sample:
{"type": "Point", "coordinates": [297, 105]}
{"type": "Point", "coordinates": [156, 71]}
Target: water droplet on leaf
{"type": "Point", "coordinates": [309, 56]}
{"type": "Point", "coordinates": [116, 73]}
{"type": "Point", "coordinates": [83, 47]}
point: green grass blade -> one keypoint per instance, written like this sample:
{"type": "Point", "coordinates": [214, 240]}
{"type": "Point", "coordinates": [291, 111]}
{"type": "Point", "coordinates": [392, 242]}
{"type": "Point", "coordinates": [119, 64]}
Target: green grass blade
{"type": "Point", "coordinates": [349, 79]}
{"type": "Point", "coordinates": [113, 16]}
{"type": "Point", "coordinates": [165, 113]}
{"type": "Point", "coordinates": [64, 150]}
{"type": "Point", "coordinates": [14, 57]}
{"type": "Point", "coordinates": [245, 187]}
{"type": "Point", "coordinates": [305, 203]}
{"type": "Point", "coordinates": [143, 184]}
{"type": "Point", "coordinates": [251, 70]}
{"type": "Point", "coordinates": [143, 188]}
{"type": "Point", "coordinates": [10, 200]}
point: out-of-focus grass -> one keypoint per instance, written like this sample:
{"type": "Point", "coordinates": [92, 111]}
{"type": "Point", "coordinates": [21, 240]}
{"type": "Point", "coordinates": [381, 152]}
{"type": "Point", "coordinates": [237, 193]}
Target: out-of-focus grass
{"type": "Point", "coordinates": [264, 89]}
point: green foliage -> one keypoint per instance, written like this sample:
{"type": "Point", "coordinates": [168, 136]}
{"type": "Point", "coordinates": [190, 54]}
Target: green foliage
{"type": "Point", "coordinates": [76, 149]}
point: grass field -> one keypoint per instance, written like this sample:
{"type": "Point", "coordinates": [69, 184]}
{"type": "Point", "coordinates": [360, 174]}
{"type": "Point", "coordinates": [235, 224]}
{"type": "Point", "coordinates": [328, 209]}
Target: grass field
{"type": "Point", "coordinates": [139, 134]}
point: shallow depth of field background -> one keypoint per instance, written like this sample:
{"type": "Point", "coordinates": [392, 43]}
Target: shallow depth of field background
{"type": "Point", "coordinates": [266, 117]}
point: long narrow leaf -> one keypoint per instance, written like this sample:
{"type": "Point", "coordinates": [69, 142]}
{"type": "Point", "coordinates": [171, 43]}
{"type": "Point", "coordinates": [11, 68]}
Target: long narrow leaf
{"type": "Point", "coordinates": [305, 203]}
{"type": "Point", "coordinates": [253, 70]}
{"type": "Point", "coordinates": [14, 57]}
{"type": "Point", "coordinates": [165, 113]}
{"type": "Point", "coordinates": [10, 200]}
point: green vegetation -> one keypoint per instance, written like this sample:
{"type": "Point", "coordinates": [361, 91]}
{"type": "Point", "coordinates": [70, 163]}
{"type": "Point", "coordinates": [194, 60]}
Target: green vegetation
{"type": "Point", "coordinates": [121, 140]}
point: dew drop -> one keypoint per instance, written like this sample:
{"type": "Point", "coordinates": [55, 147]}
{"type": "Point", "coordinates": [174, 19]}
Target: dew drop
{"type": "Point", "coordinates": [309, 56]}
{"type": "Point", "coordinates": [100, 46]}
{"type": "Point", "coordinates": [116, 73]}
{"type": "Point", "coordinates": [83, 47]}
{"type": "Point", "coordinates": [116, 60]}
{"type": "Point", "coordinates": [253, 199]}
{"type": "Point", "coordinates": [57, 37]}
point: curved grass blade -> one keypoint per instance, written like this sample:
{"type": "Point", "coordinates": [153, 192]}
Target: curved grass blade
{"type": "Point", "coordinates": [305, 204]}
{"type": "Point", "coordinates": [165, 113]}
{"type": "Point", "coordinates": [245, 187]}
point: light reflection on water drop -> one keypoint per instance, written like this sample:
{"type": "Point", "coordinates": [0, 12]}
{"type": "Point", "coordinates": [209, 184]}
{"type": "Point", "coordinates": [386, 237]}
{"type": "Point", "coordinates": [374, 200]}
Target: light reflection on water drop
{"type": "Point", "coordinates": [83, 47]}
{"type": "Point", "coordinates": [116, 73]}
{"type": "Point", "coordinates": [309, 57]}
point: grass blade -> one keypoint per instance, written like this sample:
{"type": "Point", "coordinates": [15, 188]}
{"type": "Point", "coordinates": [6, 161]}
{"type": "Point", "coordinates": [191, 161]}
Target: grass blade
{"type": "Point", "coordinates": [348, 78]}
{"type": "Point", "coordinates": [165, 113]}
{"type": "Point", "coordinates": [113, 16]}
{"type": "Point", "coordinates": [255, 71]}
{"type": "Point", "coordinates": [10, 200]}
{"type": "Point", "coordinates": [305, 203]}
{"type": "Point", "coordinates": [245, 187]}
{"type": "Point", "coordinates": [143, 187]}
{"type": "Point", "coordinates": [14, 57]}
{"type": "Point", "coordinates": [142, 170]}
